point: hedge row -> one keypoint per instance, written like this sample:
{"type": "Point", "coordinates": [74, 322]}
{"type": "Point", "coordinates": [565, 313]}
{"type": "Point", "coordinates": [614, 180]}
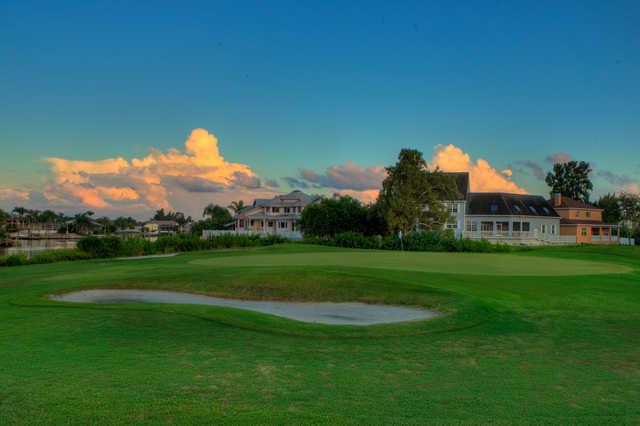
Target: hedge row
{"type": "Point", "coordinates": [413, 241]}
{"type": "Point", "coordinates": [92, 247]}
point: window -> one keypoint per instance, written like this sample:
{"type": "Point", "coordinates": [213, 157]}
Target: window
{"type": "Point", "coordinates": [287, 210]}
{"type": "Point", "coordinates": [516, 227]}
{"type": "Point", "coordinates": [544, 229]}
{"type": "Point", "coordinates": [526, 227]}
{"type": "Point", "coordinates": [493, 208]}
{"type": "Point", "coordinates": [517, 208]}
{"type": "Point", "coordinates": [553, 229]}
{"type": "Point", "coordinates": [502, 226]}
{"type": "Point", "coordinates": [533, 210]}
{"type": "Point", "coordinates": [588, 214]}
{"type": "Point", "coordinates": [595, 231]}
{"type": "Point", "coordinates": [577, 214]}
{"type": "Point", "coordinates": [583, 232]}
{"type": "Point", "coordinates": [452, 225]}
{"type": "Point", "coordinates": [546, 210]}
{"type": "Point", "coordinates": [241, 224]}
{"type": "Point", "coordinates": [275, 209]}
{"type": "Point", "coordinates": [282, 225]}
{"type": "Point", "coordinates": [270, 224]}
{"type": "Point", "coordinates": [454, 208]}
{"type": "Point", "coordinates": [472, 226]}
{"type": "Point", "coordinates": [486, 226]}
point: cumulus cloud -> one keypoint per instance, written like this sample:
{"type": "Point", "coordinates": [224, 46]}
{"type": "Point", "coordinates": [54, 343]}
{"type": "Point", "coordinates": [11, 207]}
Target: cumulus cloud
{"type": "Point", "coordinates": [559, 157]}
{"type": "Point", "coordinates": [483, 177]}
{"type": "Point", "coordinates": [161, 179]}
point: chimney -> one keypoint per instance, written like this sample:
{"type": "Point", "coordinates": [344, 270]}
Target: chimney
{"type": "Point", "coordinates": [557, 199]}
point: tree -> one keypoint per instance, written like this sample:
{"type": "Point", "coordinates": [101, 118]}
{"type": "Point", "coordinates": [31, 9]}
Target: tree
{"type": "Point", "coordinates": [610, 205]}
{"type": "Point", "coordinates": [82, 222]}
{"type": "Point", "coordinates": [178, 217]}
{"type": "Point", "coordinates": [410, 190]}
{"type": "Point", "coordinates": [236, 206]}
{"type": "Point", "coordinates": [571, 179]}
{"type": "Point", "coordinates": [124, 222]}
{"type": "Point", "coordinates": [3, 216]}
{"type": "Point", "coordinates": [332, 216]}
{"type": "Point", "coordinates": [107, 224]}
{"type": "Point", "coordinates": [218, 216]}
{"type": "Point", "coordinates": [629, 208]}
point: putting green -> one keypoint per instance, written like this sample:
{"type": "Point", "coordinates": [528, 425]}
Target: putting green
{"type": "Point", "coordinates": [458, 263]}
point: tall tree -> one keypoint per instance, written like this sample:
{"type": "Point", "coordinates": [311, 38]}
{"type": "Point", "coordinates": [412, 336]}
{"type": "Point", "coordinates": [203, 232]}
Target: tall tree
{"type": "Point", "coordinates": [217, 214]}
{"type": "Point", "coordinates": [610, 205]}
{"type": "Point", "coordinates": [3, 216]}
{"type": "Point", "coordinates": [236, 206]}
{"type": "Point", "coordinates": [630, 208]}
{"type": "Point", "coordinates": [571, 179]}
{"type": "Point", "coordinates": [124, 222]}
{"type": "Point", "coordinates": [412, 194]}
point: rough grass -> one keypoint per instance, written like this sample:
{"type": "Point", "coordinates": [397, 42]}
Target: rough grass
{"type": "Point", "coordinates": [513, 349]}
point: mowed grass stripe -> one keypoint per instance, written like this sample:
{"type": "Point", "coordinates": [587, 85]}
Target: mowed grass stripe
{"type": "Point", "coordinates": [450, 263]}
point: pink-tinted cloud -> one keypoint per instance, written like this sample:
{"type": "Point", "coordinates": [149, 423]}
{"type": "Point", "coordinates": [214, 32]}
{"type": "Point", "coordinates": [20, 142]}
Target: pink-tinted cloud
{"type": "Point", "coordinates": [347, 176]}
{"type": "Point", "coordinates": [10, 194]}
{"type": "Point", "coordinates": [483, 177]}
{"type": "Point", "coordinates": [172, 179]}
{"type": "Point", "coordinates": [559, 157]}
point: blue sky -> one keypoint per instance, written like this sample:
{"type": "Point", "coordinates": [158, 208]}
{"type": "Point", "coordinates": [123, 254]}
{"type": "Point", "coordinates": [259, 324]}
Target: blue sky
{"type": "Point", "coordinates": [287, 86]}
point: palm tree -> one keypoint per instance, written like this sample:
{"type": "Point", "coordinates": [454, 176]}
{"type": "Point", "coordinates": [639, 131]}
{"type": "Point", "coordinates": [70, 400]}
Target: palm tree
{"type": "Point", "coordinates": [236, 206]}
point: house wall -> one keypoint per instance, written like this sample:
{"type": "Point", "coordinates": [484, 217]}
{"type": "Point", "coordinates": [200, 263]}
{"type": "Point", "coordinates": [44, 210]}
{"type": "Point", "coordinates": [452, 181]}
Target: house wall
{"type": "Point", "coordinates": [541, 229]}
{"type": "Point", "coordinates": [457, 210]}
{"type": "Point", "coordinates": [585, 214]}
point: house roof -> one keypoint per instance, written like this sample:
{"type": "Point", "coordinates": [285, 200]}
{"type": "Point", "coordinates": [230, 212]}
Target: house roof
{"type": "Point", "coordinates": [570, 203]}
{"type": "Point", "coordinates": [503, 204]}
{"type": "Point", "coordinates": [296, 197]}
{"type": "Point", "coordinates": [462, 183]}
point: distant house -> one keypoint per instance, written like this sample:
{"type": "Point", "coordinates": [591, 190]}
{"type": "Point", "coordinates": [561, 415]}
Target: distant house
{"type": "Point", "coordinates": [582, 222]}
{"type": "Point", "coordinates": [158, 227]}
{"type": "Point", "coordinates": [274, 216]}
{"type": "Point", "coordinates": [511, 218]}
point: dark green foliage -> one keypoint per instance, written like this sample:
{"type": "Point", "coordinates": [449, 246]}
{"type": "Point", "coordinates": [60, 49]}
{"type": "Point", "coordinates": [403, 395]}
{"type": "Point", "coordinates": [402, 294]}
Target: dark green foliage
{"type": "Point", "coordinates": [60, 255]}
{"type": "Point", "coordinates": [14, 260]}
{"type": "Point", "coordinates": [101, 247]}
{"type": "Point", "coordinates": [610, 205]}
{"type": "Point", "coordinates": [49, 256]}
{"type": "Point", "coordinates": [571, 179]}
{"type": "Point", "coordinates": [333, 216]}
{"type": "Point", "coordinates": [412, 241]}
{"type": "Point", "coordinates": [410, 187]}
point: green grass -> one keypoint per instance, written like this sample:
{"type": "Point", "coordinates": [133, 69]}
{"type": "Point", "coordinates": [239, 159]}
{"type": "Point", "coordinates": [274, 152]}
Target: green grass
{"type": "Point", "coordinates": [548, 336]}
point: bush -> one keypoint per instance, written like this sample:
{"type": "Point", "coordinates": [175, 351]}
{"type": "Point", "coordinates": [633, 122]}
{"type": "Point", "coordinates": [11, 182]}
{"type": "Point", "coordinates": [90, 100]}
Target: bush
{"type": "Point", "coordinates": [14, 260]}
{"type": "Point", "coordinates": [101, 247]}
{"type": "Point", "coordinates": [413, 241]}
{"type": "Point", "coordinates": [60, 255]}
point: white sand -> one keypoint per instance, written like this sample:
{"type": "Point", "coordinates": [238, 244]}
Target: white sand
{"type": "Point", "coordinates": [316, 312]}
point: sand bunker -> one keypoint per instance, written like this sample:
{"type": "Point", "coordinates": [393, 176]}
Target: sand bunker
{"type": "Point", "coordinates": [350, 313]}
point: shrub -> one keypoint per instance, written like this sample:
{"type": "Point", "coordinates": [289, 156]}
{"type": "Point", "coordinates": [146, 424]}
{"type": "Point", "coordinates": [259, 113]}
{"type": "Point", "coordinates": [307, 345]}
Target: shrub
{"type": "Point", "coordinates": [14, 260]}
{"type": "Point", "coordinates": [60, 255]}
{"type": "Point", "coordinates": [412, 241]}
{"type": "Point", "coordinates": [101, 247]}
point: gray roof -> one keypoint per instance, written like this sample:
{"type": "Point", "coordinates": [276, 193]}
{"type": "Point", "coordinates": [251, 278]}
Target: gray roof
{"type": "Point", "coordinates": [462, 183]}
{"type": "Point", "coordinates": [296, 197]}
{"type": "Point", "coordinates": [502, 204]}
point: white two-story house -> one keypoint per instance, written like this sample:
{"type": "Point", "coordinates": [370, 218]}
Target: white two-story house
{"type": "Point", "coordinates": [275, 216]}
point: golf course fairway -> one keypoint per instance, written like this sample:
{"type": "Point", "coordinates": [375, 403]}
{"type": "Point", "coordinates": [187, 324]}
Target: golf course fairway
{"type": "Point", "coordinates": [547, 336]}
